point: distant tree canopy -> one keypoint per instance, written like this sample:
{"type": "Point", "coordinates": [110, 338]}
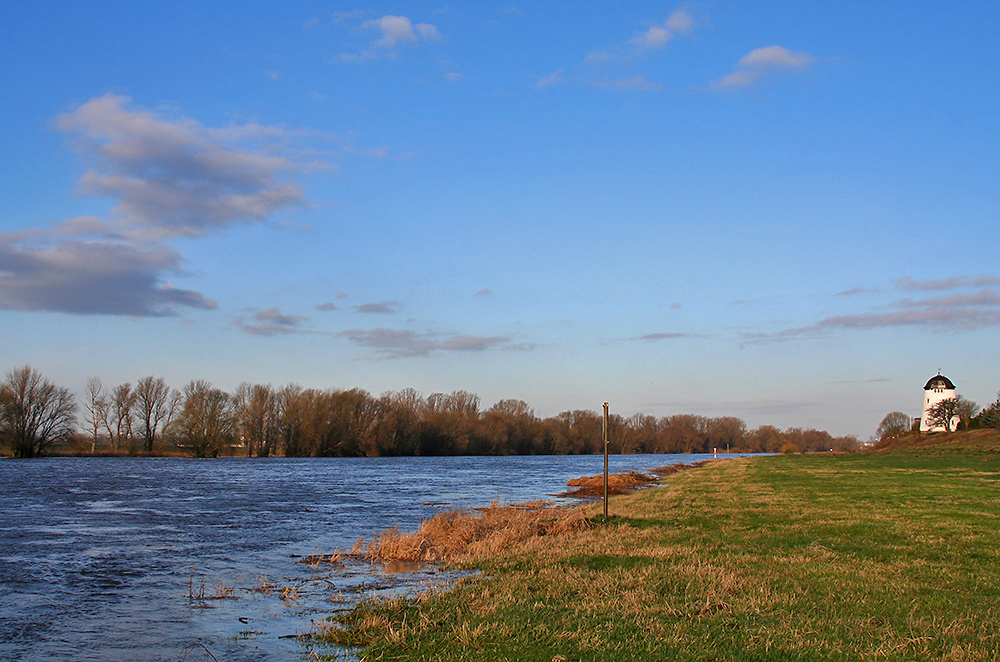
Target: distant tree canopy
{"type": "Point", "coordinates": [260, 420]}
{"type": "Point", "coordinates": [893, 425]}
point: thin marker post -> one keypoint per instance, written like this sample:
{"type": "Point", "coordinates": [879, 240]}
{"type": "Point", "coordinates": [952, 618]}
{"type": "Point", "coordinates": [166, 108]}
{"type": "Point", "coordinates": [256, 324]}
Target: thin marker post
{"type": "Point", "coordinates": [605, 460]}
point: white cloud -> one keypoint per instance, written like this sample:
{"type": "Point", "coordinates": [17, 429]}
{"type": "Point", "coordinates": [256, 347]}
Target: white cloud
{"type": "Point", "coordinates": [394, 32]}
{"type": "Point", "coordinates": [174, 178]}
{"type": "Point", "coordinates": [758, 63]}
{"type": "Point", "coordinates": [775, 57]}
{"type": "Point", "coordinates": [168, 178]}
{"type": "Point", "coordinates": [680, 21]}
{"type": "Point", "coordinates": [654, 38]}
{"type": "Point", "coordinates": [428, 32]}
{"type": "Point", "coordinates": [453, 77]}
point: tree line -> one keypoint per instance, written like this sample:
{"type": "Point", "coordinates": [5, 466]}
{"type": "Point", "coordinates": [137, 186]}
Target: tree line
{"type": "Point", "coordinates": [259, 420]}
{"type": "Point", "coordinates": [957, 413]}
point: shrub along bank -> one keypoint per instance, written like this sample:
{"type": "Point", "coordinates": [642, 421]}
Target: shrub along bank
{"type": "Point", "coordinates": [870, 556]}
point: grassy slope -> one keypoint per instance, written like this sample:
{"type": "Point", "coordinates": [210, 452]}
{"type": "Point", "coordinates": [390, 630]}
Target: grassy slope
{"type": "Point", "coordinates": [875, 556]}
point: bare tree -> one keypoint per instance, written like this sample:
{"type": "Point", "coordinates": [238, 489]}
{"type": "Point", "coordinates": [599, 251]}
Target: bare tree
{"type": "Point", "coordinates": [256, 410]}
{"type": "Point", "coordinates": [34, 412]}
{"type": "Point", "coordinates": [967, 410]}
{"type": "Point", "coordinates": [120, 423]}
{"type": "Point", "coordinates": [205, 423]}
{"type": "Point", "coordinates": [97, 409]}
{"type": "Point", "coordinates": [400, 424]}
{"type": "Point", "coordinates": [765, 439]}
{"type": "Point", "coordinates": [173, 408]}
{"type": "Point", "coordinates": [943, 414]}
{"type": "Point", "coordinates": [152, 401]}
{"type": "Point", "coordinates": [895, 424]}
{"type": "Point", "coordinates": [725, 433]}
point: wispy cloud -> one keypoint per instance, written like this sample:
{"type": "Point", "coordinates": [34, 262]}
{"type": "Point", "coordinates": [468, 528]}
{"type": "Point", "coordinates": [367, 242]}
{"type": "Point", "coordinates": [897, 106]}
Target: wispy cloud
{"type": "Point", "coordinates": [947, 283]}
{"type": "Point", "coordinates": [379, 307]}
{"type": "Point", "coordinates": [652, 39]}
{"type": "Point", "coordinates": [402, 343]}
{"type": "Point", "coordinates": [555, 78]}
{"type": "Point", "coordinates": [602, 68]}
{"type": "Point", "coordinates": [854, 291]}
{"type": "Point", "coordinates": [640, 83]}
{"type": "Point", "coordinates": [393, 33]}
{"type": "Point", "coordinates": [395, 343]}
{"type": "Point", "coordinates": [472, 343]}
{"type": "Point", "coordinates": [759, 63]}
{"type": "Point", "coordinates": [271, 322]}
{"type": "Point", "coordinates": [654, 337]}
{"type": "Point", "coordinates": [333, 18]}
{"type": "Point", "coordinates": [954, 312]}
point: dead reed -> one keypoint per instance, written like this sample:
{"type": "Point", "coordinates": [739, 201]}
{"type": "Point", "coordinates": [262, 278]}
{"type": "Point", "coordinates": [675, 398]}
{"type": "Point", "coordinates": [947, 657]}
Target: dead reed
{"type": "Point", "coordinates": [463, 535]}
{"type": "Point", "coordinates": [623, 483]}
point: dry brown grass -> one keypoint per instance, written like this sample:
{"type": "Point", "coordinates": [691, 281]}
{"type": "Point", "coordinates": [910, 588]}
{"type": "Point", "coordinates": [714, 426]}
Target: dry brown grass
{"type": "Point", "coordinates": [464, 535]}
{"type": "Point", "coordinates": [622, 483]}
{"type": "Point", "coordinates": [986, 440]}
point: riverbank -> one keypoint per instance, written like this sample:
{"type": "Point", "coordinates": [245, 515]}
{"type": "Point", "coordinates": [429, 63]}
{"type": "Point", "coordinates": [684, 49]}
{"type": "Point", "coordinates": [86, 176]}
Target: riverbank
{"type": "Point", "coordinates": [887, 556]}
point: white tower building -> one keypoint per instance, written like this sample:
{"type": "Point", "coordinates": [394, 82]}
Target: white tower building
{"type": "Point", "coordinates": [936, 389]}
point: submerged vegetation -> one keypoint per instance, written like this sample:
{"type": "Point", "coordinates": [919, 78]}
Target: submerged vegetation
{"type": "Point", "coordinates": [884, 555]}
{"type": "Point", "coordinates": [259, 420]}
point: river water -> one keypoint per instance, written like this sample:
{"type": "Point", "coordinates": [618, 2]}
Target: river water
{"type": "Point", "coordinates": [169, 559]}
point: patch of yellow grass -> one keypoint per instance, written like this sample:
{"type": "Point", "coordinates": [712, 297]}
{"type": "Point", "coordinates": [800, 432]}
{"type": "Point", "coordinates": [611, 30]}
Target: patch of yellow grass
{"type": "Point", "coordinates": [462, 535]}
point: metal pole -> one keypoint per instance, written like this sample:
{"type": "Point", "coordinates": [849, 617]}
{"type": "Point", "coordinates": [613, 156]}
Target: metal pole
{"type": "Point", "coordinates": [605, 460]}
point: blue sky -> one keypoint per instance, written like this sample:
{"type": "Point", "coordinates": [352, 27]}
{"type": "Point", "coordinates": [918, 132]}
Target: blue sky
{"type": "Point", "coordinates": [782, 211]}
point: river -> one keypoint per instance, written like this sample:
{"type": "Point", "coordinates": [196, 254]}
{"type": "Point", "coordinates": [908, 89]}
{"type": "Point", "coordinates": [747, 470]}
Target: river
{"type": "Point", "coordinates": [170, 559]}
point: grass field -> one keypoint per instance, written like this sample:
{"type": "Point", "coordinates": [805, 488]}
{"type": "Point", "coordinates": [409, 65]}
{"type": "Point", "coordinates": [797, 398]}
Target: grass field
{"type": "Point", "coordinates": [871, 556]}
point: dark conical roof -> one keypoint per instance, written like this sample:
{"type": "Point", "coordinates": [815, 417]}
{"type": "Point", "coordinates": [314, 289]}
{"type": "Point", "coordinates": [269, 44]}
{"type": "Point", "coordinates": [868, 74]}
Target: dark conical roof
{"type": "Point", "coordinates": [938, 381]}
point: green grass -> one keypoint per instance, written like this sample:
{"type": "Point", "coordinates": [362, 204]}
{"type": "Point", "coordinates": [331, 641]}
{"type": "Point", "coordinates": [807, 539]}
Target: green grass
{"type": "Point", "coordinates": [871, 556]}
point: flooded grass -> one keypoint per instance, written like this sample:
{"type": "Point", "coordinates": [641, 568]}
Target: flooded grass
{"type": "Point", "coordinates": [881, 556]}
